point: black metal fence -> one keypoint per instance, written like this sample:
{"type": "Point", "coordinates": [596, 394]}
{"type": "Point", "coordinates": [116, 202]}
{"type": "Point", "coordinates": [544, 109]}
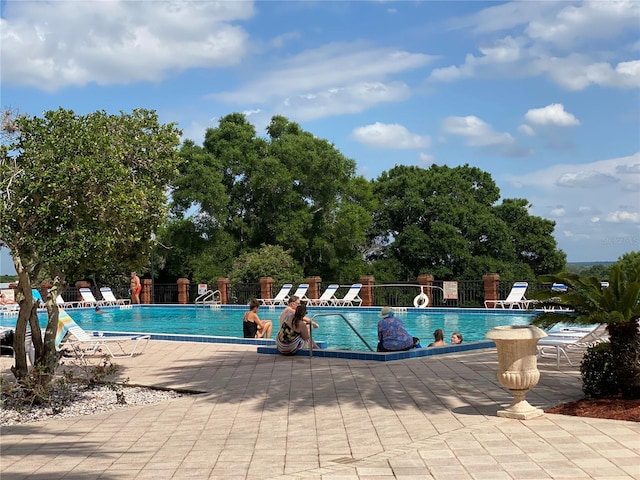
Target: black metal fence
{"type": "Point", "coordinates": [470, 293]}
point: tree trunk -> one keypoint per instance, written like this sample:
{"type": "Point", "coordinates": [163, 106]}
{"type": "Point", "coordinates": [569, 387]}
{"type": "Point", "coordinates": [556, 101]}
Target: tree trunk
{"type": "Point", "coordinates": [625, 345]}
{"type": "Point", "coordinates": [25, 300]}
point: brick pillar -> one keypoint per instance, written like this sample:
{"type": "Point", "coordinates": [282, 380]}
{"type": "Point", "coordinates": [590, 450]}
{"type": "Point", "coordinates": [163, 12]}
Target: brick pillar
{"type": "Point", "coordinates": [366, 293]}
{"type": "Point", "coordinates": [81, 284]}
{"type": "Point", "coordinates": [183, 291]}
{"type": "Point", "coordinates": [266, 287]}
{"type": "Point", "coordinates": [426, 281]}
{"type": "Point", "coordinates": [491, 288]}
{"type": "Point", "coordinates": [223, 286]}
{"type": "Point", "coordinates": [145, 294]}
{"type": "Point", "coordinates": [314, 287]}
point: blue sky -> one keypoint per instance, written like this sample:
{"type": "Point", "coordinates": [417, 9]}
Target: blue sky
{"type": "Point", "coordinates": [545, 96]}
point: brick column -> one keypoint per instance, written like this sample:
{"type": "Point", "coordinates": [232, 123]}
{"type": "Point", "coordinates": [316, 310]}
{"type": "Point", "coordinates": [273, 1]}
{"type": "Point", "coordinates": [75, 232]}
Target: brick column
{"type": "Point", "coordinates": [491, 288]}
{"type": "Point", "coordinates": [183, 291]}
{"type": "Point", "coordinates": [223, 287]}
{"type": "Point", "coordinates": [145, 294]}
{"type": "Point", "coordinates": [81, 284]}
{"type": "Point", "coordinates": [266, 287]}
{"type": "Point", "coordinates": [314, 287]}
{"type": "Point", "coordinates": [366, 293]}
{"type": "Point", "coordinates": [426, 281]}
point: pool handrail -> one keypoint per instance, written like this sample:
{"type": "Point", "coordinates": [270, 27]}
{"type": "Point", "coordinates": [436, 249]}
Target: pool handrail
{"type": "Point", "coordinates": [208, 297]}
{"type": "Point", "coordinates": [332, 314]}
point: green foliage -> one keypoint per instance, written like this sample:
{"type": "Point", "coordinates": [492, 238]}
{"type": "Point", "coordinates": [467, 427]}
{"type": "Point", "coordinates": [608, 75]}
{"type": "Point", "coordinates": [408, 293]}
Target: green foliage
{"type": "Point", "coordinates": [617, 306]}
{"type": "Point", "coordinates": [292, 189]}
{"type": "Point", "coordinates": [80, 195]}
{"type": "Point", "coordinates": [599, 376]}
{"type": "Point", "coordinates": [443, 221]}
{"type": "Point", "coordinates": [269, 261]}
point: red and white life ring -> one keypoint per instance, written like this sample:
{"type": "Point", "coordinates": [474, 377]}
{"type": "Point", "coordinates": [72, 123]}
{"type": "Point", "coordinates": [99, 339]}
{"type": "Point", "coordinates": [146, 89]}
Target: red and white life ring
{"type": "Point", "coordinates": [421, 301]}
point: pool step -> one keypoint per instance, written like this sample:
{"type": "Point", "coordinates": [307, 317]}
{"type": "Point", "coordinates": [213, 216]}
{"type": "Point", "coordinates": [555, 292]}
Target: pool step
{"type": "Point", "coordinates": [384, 356]}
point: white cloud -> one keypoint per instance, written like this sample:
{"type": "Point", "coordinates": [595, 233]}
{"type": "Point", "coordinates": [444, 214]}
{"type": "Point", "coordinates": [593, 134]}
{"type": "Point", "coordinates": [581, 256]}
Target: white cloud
{"type": "Point", "coordinates": [541, 36]}
{"type": "Point", "coordinates": [595, 199]}
{"type": "Point", "coordinates": [553, 114]}
{"type": "Point", "coordinates": [585, 179]}
{"type": "Point", "coordinates": [50, 45]}
{"type": "Point", "coordinates": [425, 159]}
{"type": "Point", "coordinates": [623, 217]}
{"type": "Point", "coordinates": [589, 20]}
{"type": "Point", "coordinates": [526, 129]}
{"type": "Point", "coordinates": [391, 136]}
{"type": "Point", "coordinates": [477, 132]}
{"type": "Point", "coordinates": [328, 69]}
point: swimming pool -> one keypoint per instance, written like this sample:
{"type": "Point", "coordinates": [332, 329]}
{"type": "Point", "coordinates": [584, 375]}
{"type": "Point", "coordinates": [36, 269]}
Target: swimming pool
{"type": "Point", "coordinates": [226, 321]}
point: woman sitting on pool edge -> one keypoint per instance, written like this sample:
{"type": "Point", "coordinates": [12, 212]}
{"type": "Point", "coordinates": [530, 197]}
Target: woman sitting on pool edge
{"type": "Point", "coordinates": [392, 336]}
{"type": "Point", "coordinates": [294, 333]}
{"type": "Point", "coordinates": [252, 326]}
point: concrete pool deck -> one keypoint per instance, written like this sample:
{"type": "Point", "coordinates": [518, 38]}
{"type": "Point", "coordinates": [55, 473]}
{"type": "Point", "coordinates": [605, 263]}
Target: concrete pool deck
{"type": "Point", "coordinates": [275, 417]}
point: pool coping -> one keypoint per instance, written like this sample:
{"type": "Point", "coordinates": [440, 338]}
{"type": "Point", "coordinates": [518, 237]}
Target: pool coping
{"type": "Point", "coordinates": [267, 346]}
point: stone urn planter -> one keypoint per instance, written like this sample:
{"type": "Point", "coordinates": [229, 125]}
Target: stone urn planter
{"type": "Point", "coordinates": [517, 366]}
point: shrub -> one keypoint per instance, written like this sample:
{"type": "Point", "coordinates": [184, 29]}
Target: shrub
{"type": "Point", "coordinates": [598, 372]}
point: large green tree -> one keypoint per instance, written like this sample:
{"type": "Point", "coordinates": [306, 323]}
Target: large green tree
{"type": "Point", "coordinates": [445, 221]}
{"type": "Point", "coordinates": [289, 189]}
{"type": "Point", "coordinates": [79, 194]}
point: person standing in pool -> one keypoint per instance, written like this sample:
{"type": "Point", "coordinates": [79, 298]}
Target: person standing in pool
{"type": "Point", "coordinates": [252, 326]}
{"type": "Point", "coordinates": [290, 309]}
{"type": "Point", "coordinates": [438, 337]}
{"type": "Point", "coordinates": [456, 338]}
{"type": "Point", "coordinates": [136, 288]}
{"type": "Point", "coordinates": [392, 336]}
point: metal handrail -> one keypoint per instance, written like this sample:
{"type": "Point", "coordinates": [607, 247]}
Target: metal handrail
{"type": "Point", "coordinates": [208, 297]}
{"type": "Point", "coordinates": [332, 315]}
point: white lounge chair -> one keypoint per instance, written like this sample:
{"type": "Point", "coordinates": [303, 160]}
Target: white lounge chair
{"type": "Point", "coordinates": [70, 334]}
{"type": "Point", "coordinates": [280, 298]}
{"type": "Point", "coordinates": [88, 300]}
{"type": "Point", "coordinates": [559, 342]}
{"type": "Point", "coordinates": [301, 293]}
{"type": "Point", "coordinates": [351, 298]}
{"type": "Point", "coordinates": [62, 303]}
{"type": "Point", "coordinates": [328, 297]}
{"type": "Point", "coordinates": [515, 299]}
{"type": "Point", "coordinates": [110, 298]}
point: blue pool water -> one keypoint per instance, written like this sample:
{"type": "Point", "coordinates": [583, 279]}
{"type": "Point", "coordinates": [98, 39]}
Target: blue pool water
{"type": "Point", "coordinates": [227, 322]}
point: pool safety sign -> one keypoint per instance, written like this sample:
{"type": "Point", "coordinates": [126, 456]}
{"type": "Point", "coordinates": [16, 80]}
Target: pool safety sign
{"type": "Point", "coordinates": [202, 288]}
{"type": "Point", "coordinates": [450, 290]}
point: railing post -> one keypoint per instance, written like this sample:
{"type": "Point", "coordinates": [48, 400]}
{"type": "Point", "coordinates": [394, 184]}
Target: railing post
{"type": "Point", "coordinates": [266, 287]}
{"type": "Point", "coordinates": [183, 291]}
{"type": "Point", "coordinates": [367, 282]}
{"type": "Point", "coordinates": [223, 287]}
{"type": "Point", "coordinates": [426, 281]}
{"type": "Point", "coordinates": [314, 287]}
{"type": "Point", "coordinates": [491, 287]}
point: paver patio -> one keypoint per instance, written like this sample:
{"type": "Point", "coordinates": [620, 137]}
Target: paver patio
{"type": "Point", "coordinates": [275, 417]}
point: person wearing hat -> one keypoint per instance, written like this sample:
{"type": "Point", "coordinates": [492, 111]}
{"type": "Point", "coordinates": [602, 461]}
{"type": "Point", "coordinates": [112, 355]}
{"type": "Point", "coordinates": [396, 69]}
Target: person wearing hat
{"type": "Point", "coordinates": [392, 336]}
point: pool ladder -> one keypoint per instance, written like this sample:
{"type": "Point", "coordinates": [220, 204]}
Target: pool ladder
{"type": "Point", "coordinates": [347, 322]}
